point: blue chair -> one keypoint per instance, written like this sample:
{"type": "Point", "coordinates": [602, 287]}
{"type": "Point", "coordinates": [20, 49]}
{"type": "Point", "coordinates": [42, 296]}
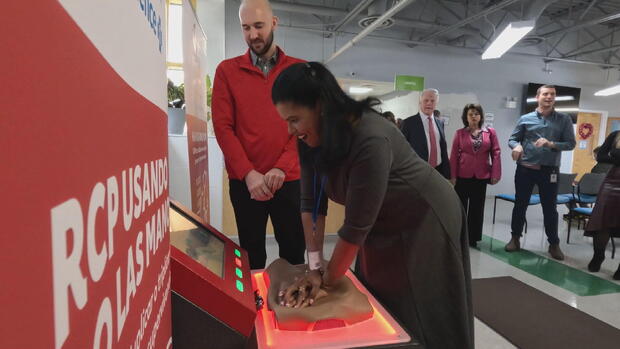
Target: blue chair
{"type": "Point", "coordinates": [534, 200]}
{"type": "Point", "coordinates": [581, 213]}
{"type": "Point", "coordinates": [584, 195]}
{"type": "Point", "coordinates": [565, 194]}
{"type": "Point", "coordinates": [588, 188]}
{"type": "Point", "coordinates": [566, 189]}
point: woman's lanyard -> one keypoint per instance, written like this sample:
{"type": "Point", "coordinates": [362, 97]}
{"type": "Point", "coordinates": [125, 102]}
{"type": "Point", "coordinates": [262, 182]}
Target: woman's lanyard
{"type": "Point", "coordinates": [317, 202]}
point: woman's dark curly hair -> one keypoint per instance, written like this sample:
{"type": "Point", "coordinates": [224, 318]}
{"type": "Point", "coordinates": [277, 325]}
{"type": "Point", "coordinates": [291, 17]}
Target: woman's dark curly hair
{"type": "Point", "coordinates": [476, 107]}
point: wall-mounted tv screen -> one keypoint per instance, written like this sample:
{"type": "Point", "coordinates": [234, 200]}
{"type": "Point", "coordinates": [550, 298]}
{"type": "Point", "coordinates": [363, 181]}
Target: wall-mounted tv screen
{"type": "Point", "coordinates": [566, 100]}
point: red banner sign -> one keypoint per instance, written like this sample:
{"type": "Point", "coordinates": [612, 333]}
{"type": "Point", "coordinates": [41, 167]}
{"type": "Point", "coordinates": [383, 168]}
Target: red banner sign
{"type": "Point", "coordinates": [197, 143]}
{"type": "Point", "coordinates": [85, 227]}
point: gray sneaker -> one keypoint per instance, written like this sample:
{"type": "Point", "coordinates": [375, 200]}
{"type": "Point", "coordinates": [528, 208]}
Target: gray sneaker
{"type": "Point", "coordinates": [556, 252]}
{"type": "Point", "coordinates": [513, 245]}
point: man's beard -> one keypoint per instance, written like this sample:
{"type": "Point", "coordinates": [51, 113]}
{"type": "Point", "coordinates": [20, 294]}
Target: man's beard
{"type": "Point", "coordinates": [266, 46]}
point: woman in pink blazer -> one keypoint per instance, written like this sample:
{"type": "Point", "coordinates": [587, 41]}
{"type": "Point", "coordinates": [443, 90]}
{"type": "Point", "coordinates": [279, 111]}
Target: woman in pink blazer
{"type": "Point", "coordinates": [475, 162]}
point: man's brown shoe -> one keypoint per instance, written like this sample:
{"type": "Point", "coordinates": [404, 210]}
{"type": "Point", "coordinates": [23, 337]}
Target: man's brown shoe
{"type": "Point", "coordinates": [513, 245]}
{"type": "Point", "coordinates": [555, 252]}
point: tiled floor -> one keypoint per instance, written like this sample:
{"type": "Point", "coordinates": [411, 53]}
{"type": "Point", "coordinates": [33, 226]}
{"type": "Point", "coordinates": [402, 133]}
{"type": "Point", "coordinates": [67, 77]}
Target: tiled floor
{"type": "Point", "coordinates": [605, 307]}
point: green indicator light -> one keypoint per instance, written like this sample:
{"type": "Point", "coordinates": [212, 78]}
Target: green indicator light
{"type": "Point", "coordinates": [239, 273]}
{"type": "Point", "coordinates": [240, 285]}
{"type": "Point", "coordinates": [237, 252]}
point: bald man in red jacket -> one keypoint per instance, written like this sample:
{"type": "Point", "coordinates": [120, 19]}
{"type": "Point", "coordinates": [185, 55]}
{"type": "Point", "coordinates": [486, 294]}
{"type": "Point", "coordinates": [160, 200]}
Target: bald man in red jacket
{"type": "Point", "coordinates": [261, 157]}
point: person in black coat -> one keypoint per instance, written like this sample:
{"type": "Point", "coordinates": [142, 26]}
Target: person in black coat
{"type": "Point", "coordinates": [425, 132]}
{"type": "Point", "coordinates": [604, 223]}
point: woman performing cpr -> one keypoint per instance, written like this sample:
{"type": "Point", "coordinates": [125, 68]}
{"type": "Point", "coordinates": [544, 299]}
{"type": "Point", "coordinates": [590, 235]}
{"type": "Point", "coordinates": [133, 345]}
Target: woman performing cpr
{"type": "Point", "coordinates": [403, 220]}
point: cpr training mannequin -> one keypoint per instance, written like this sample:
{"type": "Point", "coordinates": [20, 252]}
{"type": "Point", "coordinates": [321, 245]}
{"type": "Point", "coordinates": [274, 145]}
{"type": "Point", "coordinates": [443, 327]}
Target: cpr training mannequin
{"type": "Point", "coordinates": [342, 301]}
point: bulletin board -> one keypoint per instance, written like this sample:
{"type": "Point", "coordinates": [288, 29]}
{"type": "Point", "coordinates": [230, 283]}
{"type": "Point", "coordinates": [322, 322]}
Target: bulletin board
{"type": "Point", "coordinates": [586, 135]}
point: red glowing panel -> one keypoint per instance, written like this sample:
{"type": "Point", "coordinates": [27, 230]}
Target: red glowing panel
{"type": "Point", "coordinates": [381, 329]}
{"type": "Point", "coordinates": [327, 324]}
{"type": "Point", "coordinates": [238, 262]}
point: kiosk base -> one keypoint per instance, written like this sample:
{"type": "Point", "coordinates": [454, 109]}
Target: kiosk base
{"type": "Point", "coordinates": [194, 328]}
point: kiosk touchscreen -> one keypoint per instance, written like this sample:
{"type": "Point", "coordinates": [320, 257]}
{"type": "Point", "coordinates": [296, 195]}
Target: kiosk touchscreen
{"type": "Point", "coordinates": [198, 243]}
{"type": "Point", "coordinates": [213, 304]}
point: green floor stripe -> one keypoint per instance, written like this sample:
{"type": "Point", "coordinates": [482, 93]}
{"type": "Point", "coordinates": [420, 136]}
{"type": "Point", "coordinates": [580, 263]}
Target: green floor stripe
{"type": "Point", "coordinates": [573, 280]}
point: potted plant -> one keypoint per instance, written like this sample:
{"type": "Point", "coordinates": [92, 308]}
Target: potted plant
{"type": "Point", "coordinates": [176, 95]}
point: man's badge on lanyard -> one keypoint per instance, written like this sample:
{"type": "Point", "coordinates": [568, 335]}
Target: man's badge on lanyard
{"type": "Point", "coordinates": [554, 178]}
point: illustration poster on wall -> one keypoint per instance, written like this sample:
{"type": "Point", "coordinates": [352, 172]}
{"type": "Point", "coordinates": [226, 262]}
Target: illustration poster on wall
{"type": "Point", "coordinates": [613, 124]}
{"type": "Point", "coordinates": [196, 112]}
{"type": "Point", "coordinates": [489, 119]}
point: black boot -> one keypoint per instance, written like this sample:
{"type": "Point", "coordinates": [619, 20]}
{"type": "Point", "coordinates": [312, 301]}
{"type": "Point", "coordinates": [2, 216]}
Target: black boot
{"type": "Point", "coordinates": [617, 273]}
{"type": "Point", "coordinates": [599, 243]}
{"type": "Point", "coordinates": [597, 260]}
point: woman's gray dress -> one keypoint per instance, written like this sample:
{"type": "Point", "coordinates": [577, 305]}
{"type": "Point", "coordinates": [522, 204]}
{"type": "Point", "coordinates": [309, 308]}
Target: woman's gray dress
{"type": "Point", "coordinates": [410, 226]}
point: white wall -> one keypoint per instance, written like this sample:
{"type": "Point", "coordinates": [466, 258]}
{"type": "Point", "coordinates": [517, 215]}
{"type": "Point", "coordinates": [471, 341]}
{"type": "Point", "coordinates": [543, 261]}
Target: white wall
{"type": "Point", "coordinates": [211, 15]}
{"type": "Point", "coordinates": [452, 71]}
{"type": "Point", "coordinates": [402, 106]}
{"type": "Point", "coordinates": [212, 18]}
{"type": "Point", "coordinates": [178, 158]}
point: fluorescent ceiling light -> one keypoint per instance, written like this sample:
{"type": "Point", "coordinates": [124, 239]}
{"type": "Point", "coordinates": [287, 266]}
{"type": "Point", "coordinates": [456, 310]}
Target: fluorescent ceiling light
{"type": "Point", "coordinates": [508, 38]}
{"type": "Point", "coordinates": [359, 90]}
{"type": "Point", "coordinates": [566, 109]}
{"type": "Point", "coordinates": [608, 91]}
{"type": "Point", "coordinates": [557, 99]}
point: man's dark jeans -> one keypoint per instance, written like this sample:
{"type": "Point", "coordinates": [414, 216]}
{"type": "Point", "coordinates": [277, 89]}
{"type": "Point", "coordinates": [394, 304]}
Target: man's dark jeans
{"type": "Point", "coordinates": [525, 179]}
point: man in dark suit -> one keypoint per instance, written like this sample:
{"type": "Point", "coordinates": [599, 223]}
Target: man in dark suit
{"type": "Point", "coordinates": [425, 133]}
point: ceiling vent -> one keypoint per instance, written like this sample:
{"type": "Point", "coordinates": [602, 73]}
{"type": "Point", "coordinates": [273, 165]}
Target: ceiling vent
{"type": "Point", "coordinates": [531, 40]}
{"type": "Point", "coordinates": [376, 10]}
